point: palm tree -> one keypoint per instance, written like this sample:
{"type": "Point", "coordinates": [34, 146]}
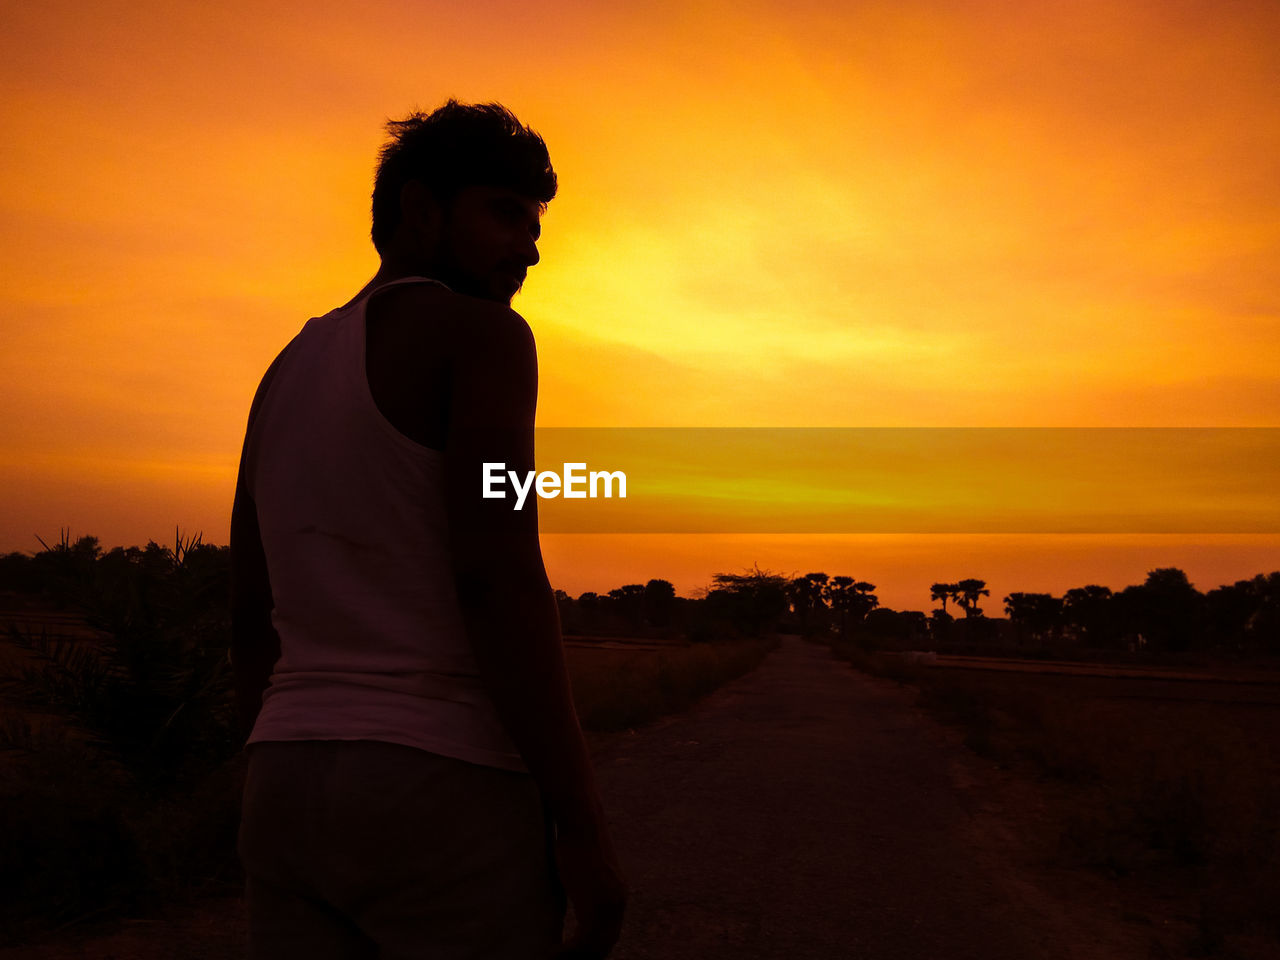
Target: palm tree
{"type": "Point", "coordinates": [839, 591]}
{"type": "Point", "coordinates": [805, 594]}
{"type": "Point", "coordinates": [943, 592]}
{"type": "Point", "coordinates": [864, 599]}
{"type": "Point", "coordinates": [969, 591]}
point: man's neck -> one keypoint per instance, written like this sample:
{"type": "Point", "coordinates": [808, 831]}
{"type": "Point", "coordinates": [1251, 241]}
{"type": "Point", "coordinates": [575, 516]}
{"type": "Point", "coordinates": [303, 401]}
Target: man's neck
{"type": "Point", "coordinates": [390, 269]}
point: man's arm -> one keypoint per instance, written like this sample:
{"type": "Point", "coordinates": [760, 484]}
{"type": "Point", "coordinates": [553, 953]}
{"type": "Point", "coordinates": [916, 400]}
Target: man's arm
{"type": "Point", "coordinates": [507, 604]}
{"type": "Point", "coordinates": [255, 645]}
{"type": "Point", "coordinates": [510, 612]}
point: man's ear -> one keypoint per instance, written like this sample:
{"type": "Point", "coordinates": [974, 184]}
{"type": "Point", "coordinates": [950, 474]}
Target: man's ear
{"type": "Point", "coordinates": [420, 212]}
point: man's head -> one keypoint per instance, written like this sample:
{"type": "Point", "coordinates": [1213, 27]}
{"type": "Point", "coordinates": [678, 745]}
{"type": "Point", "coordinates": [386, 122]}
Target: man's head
{"type": "Point", "coordinates": [458, 195]}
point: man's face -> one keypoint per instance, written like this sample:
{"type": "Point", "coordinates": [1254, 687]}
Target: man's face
{"type": "Point", "coordinates": [489, 240]}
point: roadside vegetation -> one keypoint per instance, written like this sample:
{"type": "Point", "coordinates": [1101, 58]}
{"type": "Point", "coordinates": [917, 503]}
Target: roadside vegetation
{"type": "Point", "coordinates": [1153, 787]}
{"type": "Point", "coordinates": [121, 765]}
{"type": "Point", "coordinates": [615, 690]}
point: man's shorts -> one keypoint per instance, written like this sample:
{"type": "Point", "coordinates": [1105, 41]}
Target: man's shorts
{"type": "Point", "coordinates": [363, 849]}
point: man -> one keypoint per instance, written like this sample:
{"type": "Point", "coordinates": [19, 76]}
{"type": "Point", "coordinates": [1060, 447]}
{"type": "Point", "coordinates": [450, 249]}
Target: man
{"type": "Point", "coordinates": [418, 783]}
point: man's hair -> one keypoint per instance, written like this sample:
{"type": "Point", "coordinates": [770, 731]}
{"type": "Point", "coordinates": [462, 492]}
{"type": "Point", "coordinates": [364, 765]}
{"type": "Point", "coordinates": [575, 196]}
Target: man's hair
{"type": "Point", "coordinates": [458, 145]}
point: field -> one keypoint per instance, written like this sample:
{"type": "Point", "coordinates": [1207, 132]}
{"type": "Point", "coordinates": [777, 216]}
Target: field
{"type": "Point", "coordinates": [619, 684]}
{"type": "Point", "coordinates": [1167, 781]}
{"type": "Point", "coordinates": [87, 838]}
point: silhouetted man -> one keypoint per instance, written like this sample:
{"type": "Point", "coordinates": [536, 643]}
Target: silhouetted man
{"type": "Point", "coordinates": [418, 783]}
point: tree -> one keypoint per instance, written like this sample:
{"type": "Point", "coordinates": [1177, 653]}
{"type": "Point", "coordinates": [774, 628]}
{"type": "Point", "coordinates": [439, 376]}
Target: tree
{"type": "Point", "coordinates": [1039, 615]}
{"type": "Point", "coordinates": [865, 599]}
{"type": "Point", "coordinates": [1262, 629]}
{"type": "Point", "coordinates": [566, 610]}
{"type": "Point", "coordinates": [65, 569]}
{"type": "Point", "coordinates": [1089, 613]}
{"type": "Point", "coordinates": [627, 602]}
{"type": "Point", "coordinates": [969, 592]}
{"type": "Point", "coordinates": [940, 625]}
{"type": "Point", "coordinates": [838, 592]}
{"type": "Point", "coordinates": [805, 594]}
{"type": "Point", "coordinates": [943, 592]}
{"type": "Point", "coordinates": [1166, 612]}
{"type": "Point", "coordinates": [899, 626]}
{"type": "Point", "coordinates": [751, 601]}
{"type": "Point", "coordinates": [852, 599]}
{"type": "Point", "coordinates": [659, 602]}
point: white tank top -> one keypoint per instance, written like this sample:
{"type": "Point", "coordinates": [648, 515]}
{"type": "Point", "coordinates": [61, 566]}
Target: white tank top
{"type": "Point", "coordinates": [354, 528]}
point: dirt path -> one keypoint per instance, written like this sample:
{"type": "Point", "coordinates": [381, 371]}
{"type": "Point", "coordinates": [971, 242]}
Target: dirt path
{"type": "Point", "coordinates": [808, 811]}
{"type": "Point", "coordinates": [803, 811]}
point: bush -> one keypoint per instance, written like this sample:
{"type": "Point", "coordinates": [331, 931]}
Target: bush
{"type": "Point", "coordinates": [69, 847]}
{"type": "Point", "coordinates": [115, 743]}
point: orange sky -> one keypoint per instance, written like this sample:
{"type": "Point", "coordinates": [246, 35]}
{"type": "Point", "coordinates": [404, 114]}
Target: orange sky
{"type": "Point", "coordinates": [908, 214]}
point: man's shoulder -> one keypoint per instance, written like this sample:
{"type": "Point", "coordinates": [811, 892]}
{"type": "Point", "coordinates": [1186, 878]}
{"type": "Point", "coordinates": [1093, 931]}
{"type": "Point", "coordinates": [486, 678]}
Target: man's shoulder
{"type": "Point", "coordinates": [464, 320]}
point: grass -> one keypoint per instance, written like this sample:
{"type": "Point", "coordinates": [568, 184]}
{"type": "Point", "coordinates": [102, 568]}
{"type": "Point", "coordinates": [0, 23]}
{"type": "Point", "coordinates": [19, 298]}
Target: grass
{"type": "Point", "coordinates": [1178, 795]}
{"type": "Point", "coordinates": [617, 689]}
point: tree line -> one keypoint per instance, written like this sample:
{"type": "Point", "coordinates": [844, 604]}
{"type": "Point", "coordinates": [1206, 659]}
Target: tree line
{"type": "Point", "coordinates": [119, 589]}
{"type": "Point", "coordinates": [1164, 614]}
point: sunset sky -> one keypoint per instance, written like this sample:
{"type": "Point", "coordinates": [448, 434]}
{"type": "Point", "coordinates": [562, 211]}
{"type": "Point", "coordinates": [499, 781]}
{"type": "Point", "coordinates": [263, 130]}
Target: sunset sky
{"type": "Point", "coordinates": [878, 214]}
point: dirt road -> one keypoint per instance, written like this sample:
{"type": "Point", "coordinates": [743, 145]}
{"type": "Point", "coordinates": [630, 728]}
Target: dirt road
{"type": "Point", "coordinates": [808, 811]}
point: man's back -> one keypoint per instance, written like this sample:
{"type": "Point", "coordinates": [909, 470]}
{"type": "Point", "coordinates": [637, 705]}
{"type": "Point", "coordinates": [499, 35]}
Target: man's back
{"type": "Point", "coordinates": [355, 534]}
{"type": "Point", "coordinates": [407, 358]}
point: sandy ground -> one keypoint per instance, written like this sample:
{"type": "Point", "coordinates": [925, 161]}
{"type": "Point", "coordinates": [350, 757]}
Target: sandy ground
{"type": "Point", "coordinates": [810, 811]}
{"type": "Point", "coordinates": [803, 811]}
